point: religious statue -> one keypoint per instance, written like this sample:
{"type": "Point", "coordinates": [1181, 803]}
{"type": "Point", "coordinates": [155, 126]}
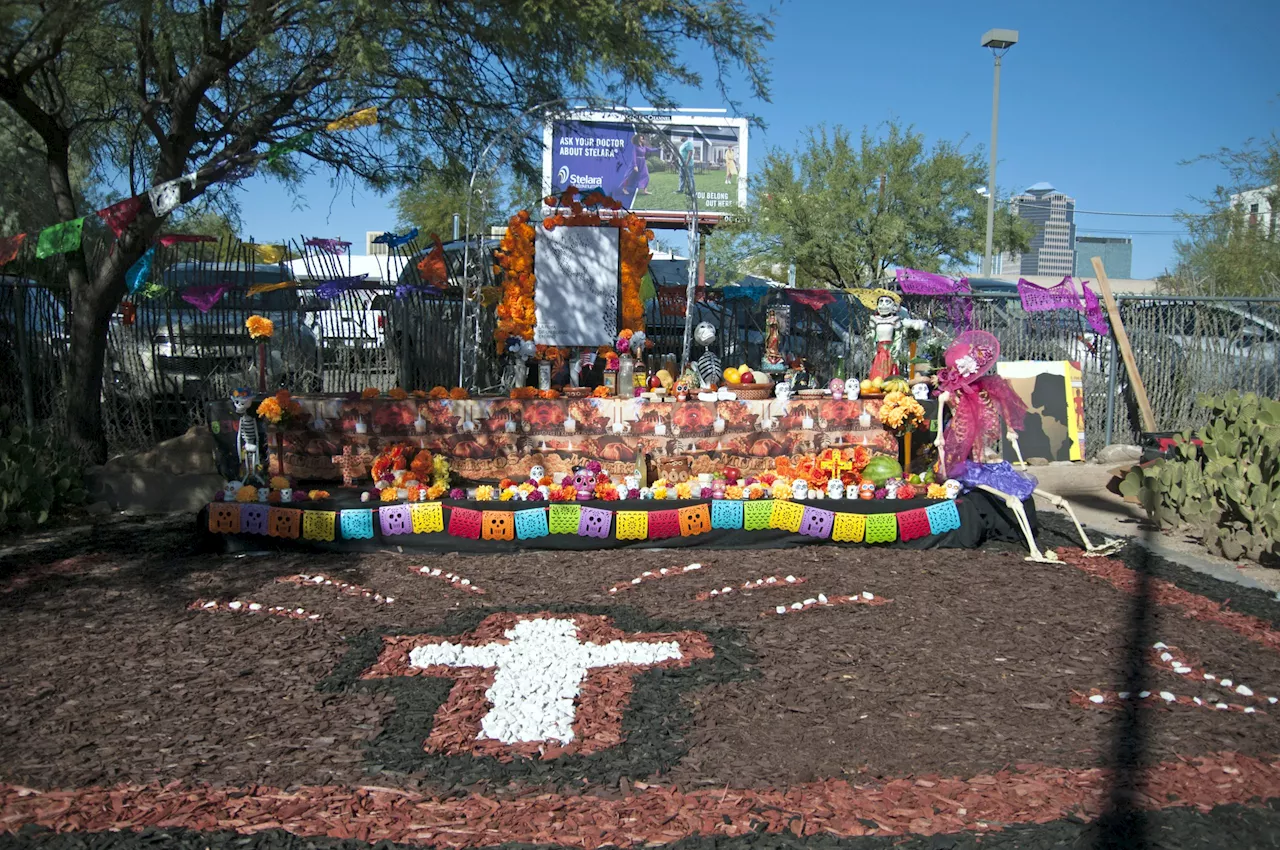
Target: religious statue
{"type": "Point", "coordinates": [772, 341]}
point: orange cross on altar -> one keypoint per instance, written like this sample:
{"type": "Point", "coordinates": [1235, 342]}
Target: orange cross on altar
{"type": "Point", "coordinates": [836, 464]}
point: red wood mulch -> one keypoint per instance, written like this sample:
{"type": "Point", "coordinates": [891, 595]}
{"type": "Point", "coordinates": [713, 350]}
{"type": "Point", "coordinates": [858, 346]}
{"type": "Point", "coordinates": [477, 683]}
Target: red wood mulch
{"type": "Point", "coordinates": [656, 814]}
{"type": "Point", "coordinates": [154, 714]}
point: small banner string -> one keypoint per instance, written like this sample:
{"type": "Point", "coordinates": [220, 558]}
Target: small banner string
{"type": "Point", "coordinates": [120, 215]}
{"type": "Point", "coordinates": [914, 282]}
{"type": "Point", "coordinates": [362, 118]}
{"type": "Point", "coordinates": [298, 143]}
{"type": "Point", "coordinates": [204, 297]}
{"type": "Point", "coordinates": [1036, 299]}
{"type": "Point", "coordinates": [140, 272]}
{"type": "Point", "coordinates": [333, 288]}
{"type": "Point", "coordinates": [60, 238]}
{"type": "Point", "coordinates": [395, 240]}
{"type": "Point", "coordinates": [1093, 310]}
{"type": "Point", "coordinates": [168, 240]}
{"type": "Point", "coordinates": [332, 246]}
{"type": "Point", "coordinates": [269, 254]}
{"type": "Point", "coordinates": [260, 288]}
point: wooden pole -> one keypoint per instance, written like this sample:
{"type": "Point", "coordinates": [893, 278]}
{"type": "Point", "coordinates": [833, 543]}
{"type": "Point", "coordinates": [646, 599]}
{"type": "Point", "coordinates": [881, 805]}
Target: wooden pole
{"type": "Point", "coordinates": [1126, 351]}
{"type": "Point", "coordinates": [911, 374]}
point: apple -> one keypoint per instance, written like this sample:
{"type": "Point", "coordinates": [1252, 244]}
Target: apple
{"type": "Point", "coordinates": [746, 376]}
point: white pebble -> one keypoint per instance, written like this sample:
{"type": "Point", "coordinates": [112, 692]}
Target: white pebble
{"type": "Point", "coordinates": [796, 606]}
{"type": "Point", "coordinates": [1250, 710]}
{"type": "Point", "coordinates": [255, 606]}
{"type": "Point", "coordinates": [1164, 656]}
{"type": "Point", "coordinates": [1244, 690]}
{"type": "Point", "coordinates": [1143, 694]}
{"type": "Point", "coordinates": [435, 572]}
{"type": "Point", "coordinates": [726, 590]}
{"type": "Point", "coordinates": [1226, 683]}
{"type": "Point", "coordinates": [645, 574]}
{"type": "Point", "coordinates": [771, 580]}
{"type": "Point", "coordinates": [1271, 700]}
{"type": "Point", "coordinates": [662, 571]}
{"type": "Point", "coordinates": [694, 567]}
{"type": "Point", "coordinates": [314, 617]}
{"type": "Point", "coordinates": [811, 601]}
{"type": "Point", "coordinates": [791, 579]}
{"type": "Point", "coordinates": [1209, 677]}
{"type": "Point", "coordinates": [424, 570]}
{"type": "Point", "coordinates": [318, 579]}
{"type": "Point", "coordinates": [1098, 699]}
{"type": "Point", "coordinates": [781, 609]}
{"type": "Point", "coordinates": [1123, 695]}
{"type": "Point", "coordinates": [715, 593]}
{"type": "Point", "coordinates": [299, 611]}
{"type": "Point", "coordinates": [613, 590]}
{"type": "Point", "coordinates": [635, 580]}
{"type": "Point", "coordinates": [1197, 700]}
{"type": "Point", "coordinates": [1182, 671]}
{"type": "Point", "coordinates": [235, 606]}
{"type": "Point", "coordinates": [1167, 697]}
{"type": "Point", "coordinates": [1159, 645]}
{"type": "Point", "coordinates": [1222, 706]}
{"type": "Point", "coordinates": [866, 594]}
{"type": "Point", "coordinates": [465, 582]}
{"type": "Point", "coordinates": [822, 597]}
{"type": "Point", "coordinates": [210, 605]}
{"type": "Point", "coordinates": [390, 599]}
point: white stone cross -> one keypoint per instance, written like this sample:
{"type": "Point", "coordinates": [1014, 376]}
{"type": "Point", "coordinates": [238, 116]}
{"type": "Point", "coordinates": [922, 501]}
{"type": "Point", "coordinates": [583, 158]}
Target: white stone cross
{"type": "Point", "coordinates": [539, 673]}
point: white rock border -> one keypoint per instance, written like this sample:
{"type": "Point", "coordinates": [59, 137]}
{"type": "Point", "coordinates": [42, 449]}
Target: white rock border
{"type": "Point", "coordinates": [652, 575]}
{"type": "Point", "coordinates": [452, 579]}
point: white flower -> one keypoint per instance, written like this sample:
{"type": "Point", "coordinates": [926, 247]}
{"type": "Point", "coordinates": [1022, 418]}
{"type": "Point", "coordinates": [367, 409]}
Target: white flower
{"type": "Point", "coordinates": [966, 365]}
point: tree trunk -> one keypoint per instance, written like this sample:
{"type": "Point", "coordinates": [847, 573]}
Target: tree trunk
{"type": "Point", "coordinates": [90, 317]}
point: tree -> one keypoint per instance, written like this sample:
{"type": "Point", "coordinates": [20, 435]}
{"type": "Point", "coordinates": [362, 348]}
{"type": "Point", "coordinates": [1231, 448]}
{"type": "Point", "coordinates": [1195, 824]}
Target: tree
{"type": "Point", "coordinates": [161, 89]}
{"type": "Point", "coordinates": [1227, 252]}
{"type": "Point", "coordinates": [846, 213]}
{"type": "Point", "coordinates": [430, 202]}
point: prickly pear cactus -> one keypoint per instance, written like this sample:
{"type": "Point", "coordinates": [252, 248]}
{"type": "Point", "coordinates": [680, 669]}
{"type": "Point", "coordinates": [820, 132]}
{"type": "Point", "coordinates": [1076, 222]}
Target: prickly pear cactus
{"type": "Point", "coordinates": [1226, 489]}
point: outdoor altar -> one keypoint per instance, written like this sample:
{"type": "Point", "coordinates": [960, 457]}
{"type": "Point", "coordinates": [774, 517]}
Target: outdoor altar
{"type": "Point", "coordinates": [488, 439]}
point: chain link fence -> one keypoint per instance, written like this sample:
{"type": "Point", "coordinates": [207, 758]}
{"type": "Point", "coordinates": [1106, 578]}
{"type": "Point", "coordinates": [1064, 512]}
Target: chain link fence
{"type": "Point", "coordinates": [166, 358]}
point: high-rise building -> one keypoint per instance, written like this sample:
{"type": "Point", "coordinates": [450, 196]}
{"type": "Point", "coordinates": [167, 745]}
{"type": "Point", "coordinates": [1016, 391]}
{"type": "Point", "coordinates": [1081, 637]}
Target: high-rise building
{"type": "Point", "coordinates": [1116, 253]}
{"type": "Point", "coordinates": [1053, 216]}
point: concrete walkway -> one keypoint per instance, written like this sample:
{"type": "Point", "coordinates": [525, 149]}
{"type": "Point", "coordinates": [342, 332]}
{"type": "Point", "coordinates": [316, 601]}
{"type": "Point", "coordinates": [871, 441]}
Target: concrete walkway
{"type": "Point", "coordinates": [1085, 486]}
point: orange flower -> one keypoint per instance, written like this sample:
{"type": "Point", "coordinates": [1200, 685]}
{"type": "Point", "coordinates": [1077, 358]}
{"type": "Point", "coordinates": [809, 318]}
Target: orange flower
{"type": "Point", "coordinates": [370, 392]}
{"type": "Point", "coordinates": [388, 494]}
{"type": "Point", "coordinates": [438, 393]}
{"type": "Point", "coordinates": [260, 327]}
{"type": "Point", "coordinates": [397, 393]}
{"type": "Point", "coordinates": [601, 392]}
{"type": "Point", "coordinates": [270, 410]}
{"type": "Point", "coordinates": [419, 393]}
{"type": "Point", "coordinates": [548, 394]}
{"type": "Point", "coordinates": [458, 393]}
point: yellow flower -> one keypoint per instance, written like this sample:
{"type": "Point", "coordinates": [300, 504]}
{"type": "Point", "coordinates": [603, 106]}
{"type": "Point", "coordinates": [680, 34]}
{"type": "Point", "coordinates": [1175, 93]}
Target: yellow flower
{"type": "Point", "coordinates": [659, 492]}
{"type": "Point", "coordinates": [388, 494]}
{"type": "Point", "coordinates": [507, 495]}
{"type": "Point", "coordinates": [270, 410]}
{"type": "Point", "coordinates": [684, 490]}
{"type": "Point", "coordinates": [484, 493]}
{"type": "Point", "coordinates": [937, 491]}
{"type": "Point", "coordinates": [733, 491]}
{"type": "Point", "coordinates": [260, 327]}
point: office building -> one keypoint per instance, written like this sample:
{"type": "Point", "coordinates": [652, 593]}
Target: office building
{"type": "Point", "coordinates": [1116, 253]}
{"type": "Point", "coordinates": [1053, 217]}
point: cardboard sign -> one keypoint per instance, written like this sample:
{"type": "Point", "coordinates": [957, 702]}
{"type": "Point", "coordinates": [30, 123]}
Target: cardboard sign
{"type": "Point", "coordinates": [576, 298]}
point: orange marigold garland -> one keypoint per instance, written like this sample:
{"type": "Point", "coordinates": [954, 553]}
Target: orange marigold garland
{"type": "Point", "coordinates": [515, 264]}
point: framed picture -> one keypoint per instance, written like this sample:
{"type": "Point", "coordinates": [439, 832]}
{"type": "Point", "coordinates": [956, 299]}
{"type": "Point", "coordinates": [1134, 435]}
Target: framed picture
{"type": "Point", "coordinates": [611, 381]}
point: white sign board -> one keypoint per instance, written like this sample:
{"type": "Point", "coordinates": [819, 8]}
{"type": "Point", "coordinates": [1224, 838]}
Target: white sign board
{"type": "Point", "coordinates": [576, 295]}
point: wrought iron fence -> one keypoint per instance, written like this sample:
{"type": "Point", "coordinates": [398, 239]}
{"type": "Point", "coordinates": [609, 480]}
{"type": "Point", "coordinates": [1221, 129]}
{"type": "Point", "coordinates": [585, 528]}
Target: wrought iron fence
{"type": "Point", "coordinates": [166, 359]}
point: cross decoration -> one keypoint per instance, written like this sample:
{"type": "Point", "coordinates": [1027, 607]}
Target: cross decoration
{"type": "Point", "coordinates": [837, 464]}
{"type": "Point", "coordinates": [353, 465]}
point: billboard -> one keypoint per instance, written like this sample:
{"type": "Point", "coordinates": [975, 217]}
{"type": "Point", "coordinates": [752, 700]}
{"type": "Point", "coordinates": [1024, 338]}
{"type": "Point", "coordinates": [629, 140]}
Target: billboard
{"type": "Point", "coordinates": [635, 160]}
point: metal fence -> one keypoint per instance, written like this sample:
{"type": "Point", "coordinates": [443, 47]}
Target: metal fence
{"type": "Point", "coordinates": [166, 360]}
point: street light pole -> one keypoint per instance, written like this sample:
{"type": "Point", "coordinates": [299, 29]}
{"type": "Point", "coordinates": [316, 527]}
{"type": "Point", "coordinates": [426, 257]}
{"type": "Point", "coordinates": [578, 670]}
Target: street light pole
{"type": "Point", "coordinates": [999, 40]}
{"type": "Point", "coordinates": [991, 173]}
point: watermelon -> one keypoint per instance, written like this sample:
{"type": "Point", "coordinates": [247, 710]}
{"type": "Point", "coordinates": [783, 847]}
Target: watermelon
{"type": "Point", "coordinates": [881, 469]}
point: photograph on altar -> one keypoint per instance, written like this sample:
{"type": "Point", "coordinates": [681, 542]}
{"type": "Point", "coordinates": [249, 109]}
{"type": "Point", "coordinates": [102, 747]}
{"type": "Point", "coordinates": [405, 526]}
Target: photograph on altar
{"type": "Point", "coordinates": [645, 161]}
{"type": "Point", "coordinates": [1053, 391]}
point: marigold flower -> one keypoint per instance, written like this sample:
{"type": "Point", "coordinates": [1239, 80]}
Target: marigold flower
{"type": "Point", "coordinates": [370, 392]}
{"type": "Point", "coordinates": [270, 410]}
{"type": "Point", "coordinates": [397, 393]}
{"type": "Point", "coordinates": [458, 393]}
{"type": "Point", "coordinates": [260, 327]}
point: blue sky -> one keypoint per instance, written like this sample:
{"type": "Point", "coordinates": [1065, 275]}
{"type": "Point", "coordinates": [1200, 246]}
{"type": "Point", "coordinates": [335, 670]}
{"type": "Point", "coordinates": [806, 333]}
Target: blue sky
{"type": "Point", "coordinates": [1101, 99]}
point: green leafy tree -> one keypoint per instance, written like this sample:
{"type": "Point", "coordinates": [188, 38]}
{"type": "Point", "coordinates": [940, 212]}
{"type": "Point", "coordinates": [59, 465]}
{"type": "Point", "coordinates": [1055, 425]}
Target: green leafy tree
{"type": "Point", "coordinates": [1226, 252]}
{"type": "Point", "coordinates": [159, 89]}
{"type": "Point", "coordinates": [430, 202]}
{"type": "Point", "coordinates": [845, 211]}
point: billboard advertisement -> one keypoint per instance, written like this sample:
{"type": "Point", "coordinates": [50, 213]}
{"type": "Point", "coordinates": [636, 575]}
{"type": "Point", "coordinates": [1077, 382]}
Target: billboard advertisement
{"type": "Point", "coordinates": [636, 160]}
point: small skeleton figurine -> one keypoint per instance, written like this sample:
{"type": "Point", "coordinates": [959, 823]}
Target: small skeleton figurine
{"type": "Point", "coordinates": [979, 402]}
{"type": "Point", "coordinates": [250, 437]}
{"type": "Point", "coordinates": [709, 371]}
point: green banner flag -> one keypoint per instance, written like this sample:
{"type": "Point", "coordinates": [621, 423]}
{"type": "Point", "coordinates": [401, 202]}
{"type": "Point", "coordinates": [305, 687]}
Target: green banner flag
{"type": "Point", "coordinates": [297, 143]}
{"type": "Point", "coordinates": [60, 238]}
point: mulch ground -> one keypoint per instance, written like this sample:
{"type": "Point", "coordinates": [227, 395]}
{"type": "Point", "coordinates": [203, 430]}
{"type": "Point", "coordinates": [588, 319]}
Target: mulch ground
{"type": "Point", "coordinates": [958, 710]}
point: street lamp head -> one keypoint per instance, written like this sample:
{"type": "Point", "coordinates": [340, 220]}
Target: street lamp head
{"type": "Point", "coordinates": [999, 39]}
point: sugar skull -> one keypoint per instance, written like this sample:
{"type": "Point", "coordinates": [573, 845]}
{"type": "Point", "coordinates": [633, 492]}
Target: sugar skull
{"type": "Point", "coordinates": [631, 482]}
{"type": "Point", "coordinates": [782, 391]}
{"type": "Point", "coordinates": [891, 488]}
{"type": "Point", "coordinates": [953, 487]}
{"type": "Point", "coordinates": [537, 472]}
{"type": "Point", "coordinates": [920, 391]}
{"type": "Point", "coordinates": [584, 483]}
{"type": "Point", "coordinates": [835, 489]}
{"type": "Point", "coordinates": [866, 490]}
{"type": "Point", "coordinates": [799, 489]}
{"type": "Point", "coordinates": [230, 490]}
{"type": "Point", "coordinates": [837, 388]}
{"type": "Point", "coordinates": [704, 333]}
{"type": "Point", "coordinates": [852, 388]}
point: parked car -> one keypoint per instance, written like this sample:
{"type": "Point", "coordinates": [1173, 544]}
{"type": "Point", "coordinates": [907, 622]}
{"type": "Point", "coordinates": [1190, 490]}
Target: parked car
{"type": "Point", "coordinates": [168, 347]}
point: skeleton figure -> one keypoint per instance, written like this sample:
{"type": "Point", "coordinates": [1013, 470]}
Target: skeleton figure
{"type": "Point", "coordinates": [250, 438]}
{"type": "Point", "coordinates": [980, 401]}
{"type": "Point", "coordinates": [709, 371]}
